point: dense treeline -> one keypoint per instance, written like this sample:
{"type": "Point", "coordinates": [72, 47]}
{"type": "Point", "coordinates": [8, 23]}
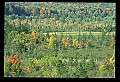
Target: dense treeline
{"type": "Point", "coordinates": [67, 9]}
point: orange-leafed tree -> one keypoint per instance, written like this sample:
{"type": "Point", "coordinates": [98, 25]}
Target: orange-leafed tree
{"type": "Point", "coordinates": [112, 43]}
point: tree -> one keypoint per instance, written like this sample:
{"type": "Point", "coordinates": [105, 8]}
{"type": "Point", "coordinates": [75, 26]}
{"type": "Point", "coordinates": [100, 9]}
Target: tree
{"type": "Point", "coordinates": [11, 11]}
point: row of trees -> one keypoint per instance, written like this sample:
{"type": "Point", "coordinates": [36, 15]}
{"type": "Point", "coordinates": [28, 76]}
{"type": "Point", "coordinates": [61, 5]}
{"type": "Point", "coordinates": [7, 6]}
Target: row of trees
{"type": "Point", "coordinates": [53, 25]}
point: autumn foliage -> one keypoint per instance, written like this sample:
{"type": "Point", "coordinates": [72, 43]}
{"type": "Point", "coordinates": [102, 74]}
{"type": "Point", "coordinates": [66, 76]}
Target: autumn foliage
{"type": "Point", "coordinates": [112, 43]}
{"type": "Point", "coordinates": [13, 59]}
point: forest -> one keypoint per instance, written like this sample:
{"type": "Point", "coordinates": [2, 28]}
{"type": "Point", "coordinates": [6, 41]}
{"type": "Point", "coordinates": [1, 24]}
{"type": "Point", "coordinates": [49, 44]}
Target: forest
{"type": "Point", "coordinates": [59, 39]}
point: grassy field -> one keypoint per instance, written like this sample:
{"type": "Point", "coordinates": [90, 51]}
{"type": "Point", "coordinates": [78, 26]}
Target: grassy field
{"type": "Point", "coordinates": [76, 33]}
